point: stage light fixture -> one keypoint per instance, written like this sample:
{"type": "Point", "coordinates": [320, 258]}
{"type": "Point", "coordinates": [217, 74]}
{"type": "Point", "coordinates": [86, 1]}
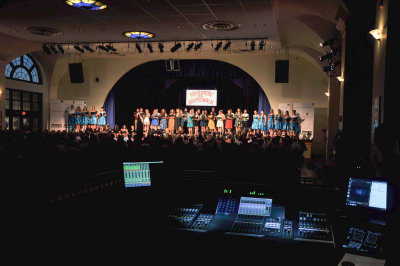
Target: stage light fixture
{"type": "Point", "coordinates": [218, 46]}
{"type": "Point", "coordinates": [87, 47]}
{"type": "Point", "coordinates": [227, 45]}
{"type": "Point", "coordinates": [53, 48]}
{"type": "Point", "coordinates": [176, 47]}
{"type": "Point", "coordinates": [189, 47]}
{"type": "Point", "coordinates": [376, 33]}
{"type": "Point", "coordinates": [340, 78]}
{"type": "Point", "coordinates": [329, 42]}
{"type": "Point", "coordinates": [60, 49]}
{"type": "Point", "coordinates": [327, 56]}
{"type": "Point", "coordinates": [111, 48]}
{"type": "Point", "coordinates": [161, 47]}
{"type": "Point", "coordinates": [261, 45]}
{"type": "Point", "coordinates": [198, 46]}
{"type": "Point", "coordinates": [102, 47]}
{"type": "Point", "coordinates": [328, 68]}
{"type": "Point", "coordinates": [79, 49]}
{"type": "Point", "coordinates": [336, 49]}
{"type": "Point", "coordinates": [138, 48]}
{"type": "Point", "coordinates": [150, 47]}
{"type": "Point", "coordinates": [252, 45]}
{"type": "Point", "coordinates": [46, 49]}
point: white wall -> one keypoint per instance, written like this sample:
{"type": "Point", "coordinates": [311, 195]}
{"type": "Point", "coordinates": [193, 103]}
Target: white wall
{"type": "Point", "coordinates": [307, 82]}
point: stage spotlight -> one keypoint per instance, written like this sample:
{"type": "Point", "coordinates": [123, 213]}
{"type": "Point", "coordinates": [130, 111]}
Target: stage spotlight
{"type": "Point", "coordinates": [46, 49]}
{"type": "Point", "coordinates": [103, 48]}
{"type": "Point", "coordinates": [261, 45]}
{"type": "Point", "coordinates": [327, 56]}
{"type": "Point", "coordinates": [53, 49]}
{"type": "Point", "coordinates": [252, 45]}
{"type": "Point", "coordinates": [176, 47]}
{"type": "Point", "coordinates": [218, 46]}
{"type": "Point", "coordinates": [150, 47]}
{"type": "Point", "coordinates": [336, 49]}
{"type": "Point", "coordinates": [60, 49]}
{"type": "Point", "coordinates": [79, 49]}
{"type": "Point", "coordinates": [87, 47]}
{"type": "Point", "coordinates": [189, 47]}
{"type": "Point", "coordinates": [328, 68]}
{"type": "Point", "coordinates": [161, 47]}
{"type": "Point", "coordinates": [138, 48]}
{"type": "Point", "coordinates": [227, 45]}
{"type": "Point", "coordinates": [329, 42]}
{"type": "Point", "coordinates": [198, 46]}
{"type": "Point", "coordinates": [111, 48]}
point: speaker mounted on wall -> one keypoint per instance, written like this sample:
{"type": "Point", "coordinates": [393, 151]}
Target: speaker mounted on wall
{"type": "Point", "coordinates": [76, 73]}
{"type": "Point", "coordinates": [281, 71]}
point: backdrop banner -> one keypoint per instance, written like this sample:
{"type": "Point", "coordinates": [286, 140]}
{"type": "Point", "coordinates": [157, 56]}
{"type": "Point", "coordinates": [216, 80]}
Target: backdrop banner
{"type": "Point", "coordinates": [201, 97]}
{"type": "Point", "coordinates": [306, 119]}
{"type": "Point", "coordinates": [59, 113]}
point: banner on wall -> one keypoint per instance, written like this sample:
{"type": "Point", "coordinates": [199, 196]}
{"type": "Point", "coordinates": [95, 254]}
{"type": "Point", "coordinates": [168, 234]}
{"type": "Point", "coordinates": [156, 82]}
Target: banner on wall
{"type": "Point", "coordinates": [306, 119]}
{"type": "Point", "coordinates": [59, 113]}
{"type": "Point", "coordinates": [201, 97]}
{"type": "Point", "coordinates": [284, 107]}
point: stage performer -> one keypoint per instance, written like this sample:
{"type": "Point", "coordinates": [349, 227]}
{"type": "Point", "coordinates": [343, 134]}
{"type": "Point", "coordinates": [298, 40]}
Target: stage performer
{"type": "Point", "coordinates": [102, 119]}
{"type": "Point", "coordinates": [286, 123]}
{"type": "Point", "coordinates": [278, 123]}
{"type": "Point", "coordinates": [171, 121]}
{"type": "Point", "coordinates": [271, 119]}
{"type": "Point", "coordinates": [78, 119]}
{"type": "Point", "coordinates": [85, 118]}
{"type": "Point", "coordinates": [211, 122]}
{"type": "Point", "coordinates": [203, 121]}
{"type": "Point", "coordinates": [154, 120]}
{"type": "Point", "coordinates": [71, 119]}
{"type": "Point", "coordinates": [136, 118]}
{"type": "Point", "coordinates": [178, 120]}
{"type": "Point", "coordinates": [196, 122]}
{"type": "Point", "coordinates": [93, 118]}
{"type": "Point", "coordinates": [220, 122]}
{"type": "Point", "coordinates": [185, 114]}
{"type": "Point", "coordinates": [229, 121]}
{"type": "Point", "coordinates": [295, 123]}
{"type": "Point", "coordinates": [190, 117]}
{"type": "Point", "coordinates": [255, 124]}
{"type": "Point", "coordinates": [163, 119]}
{"type": "Point", "coordinates": [238, 121]}
{"type": "Point", "coordinates": [263, 122]}
{"type": "Point", "coordinates": [245, 121]}
{"type": "Point", "coordinates": [146, 121]}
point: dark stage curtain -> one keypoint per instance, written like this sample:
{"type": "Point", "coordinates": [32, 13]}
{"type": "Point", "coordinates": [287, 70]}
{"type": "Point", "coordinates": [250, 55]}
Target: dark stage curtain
{"type": "Point", "coordinates": [109, 107]}
{"type": "Point", "coordinates": [263, 103]}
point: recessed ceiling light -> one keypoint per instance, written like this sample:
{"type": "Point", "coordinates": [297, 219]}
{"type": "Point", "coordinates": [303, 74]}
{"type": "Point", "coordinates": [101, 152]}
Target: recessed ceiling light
{"type": "Point", "coordinates": [139, 34]}
{"type": "Point", "coordinates": [86, 4]}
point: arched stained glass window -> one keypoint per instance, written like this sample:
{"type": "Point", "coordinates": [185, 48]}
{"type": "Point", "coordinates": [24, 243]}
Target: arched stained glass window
{"type": "Point", "coordinates": [23, 68]}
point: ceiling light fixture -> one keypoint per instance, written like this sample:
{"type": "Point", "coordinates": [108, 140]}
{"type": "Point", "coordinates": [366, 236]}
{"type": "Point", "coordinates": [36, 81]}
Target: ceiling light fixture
{"type": "Point", "coordinates": [60, 49]}
{"type": "Point", "coordinates": [79, 49]}
{"type": "Point", "coordinates": [218, 46]}
{"type": "Point", "coordinates": [340, 78]}
{"type": "Point", "coordinates": [138, 48]}
{"type": "Point", "coordinates": [86, 4]}
{"type": "Point", "coordinates": [252, 45]}
{"type": "Point", "coordinates": [111, 48]}
{"type": "Point", "coordinates": [87, 47]}
{"type": "Point", "coordinates": [161, 47]}
{"type": "Point", "coordinates": [327, 94]}
{"type": "Point", "coordinates": [227, 45]}
{"type": "Point", "coordinates": [198, 46]}
{"type": "Point", "coordinates": [327, 56]}
{"type": "Point", "coordinates": [189, 47]}
{"type": "Point", "coordinates": [53, 48]}
{"type": "Point", "coordinates": [46, 49]}
{"type": "Point", "coordinates": [261, 45]}
{"type": "Point", "coordinates": [138, 34]}
{"type": "Point", "coordinates": [327, 68]}
{"type": "Point", "coordinates": [376, 33]}
{"type": "Point", "coordinates": [150, 47]}
{"type": "Point", "coordinates": [102, 47]}
{"type": "Point", "coordinates": [176, 47]}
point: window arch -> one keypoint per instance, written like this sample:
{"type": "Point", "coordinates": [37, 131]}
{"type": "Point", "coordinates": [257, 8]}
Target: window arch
{"type": "Point", "coordinates": [24, 68]}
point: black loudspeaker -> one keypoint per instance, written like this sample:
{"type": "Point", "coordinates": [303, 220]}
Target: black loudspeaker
{"type": "Point", "coordinates": [76, 73]}
{"type": "Point", "coordinates": [281, 71]}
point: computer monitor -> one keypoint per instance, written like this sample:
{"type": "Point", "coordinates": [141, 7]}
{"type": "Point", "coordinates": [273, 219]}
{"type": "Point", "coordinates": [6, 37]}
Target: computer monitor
{"type": "Point", "coordinates": [367, 193]}
{"type": "Point", "coordinates": [137, 174]}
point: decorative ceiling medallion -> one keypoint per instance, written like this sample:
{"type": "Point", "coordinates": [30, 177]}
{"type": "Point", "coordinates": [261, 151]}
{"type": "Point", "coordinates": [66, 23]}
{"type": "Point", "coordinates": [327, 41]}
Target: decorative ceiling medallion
{"type": "Point", "coordinates": [139, 34]}
{"type": "Point", "coordinates": [86, 4]}
{"type": "Point", "coordinates": [221, 25]}
{"type": "Point", "coordinates": [44, 31]}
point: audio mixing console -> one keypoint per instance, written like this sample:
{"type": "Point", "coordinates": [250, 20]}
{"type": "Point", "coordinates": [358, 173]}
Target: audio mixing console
{"type": "Point", "coordinates": [184, 217]}
{"type": "Point", "coordinates": [314, 227]}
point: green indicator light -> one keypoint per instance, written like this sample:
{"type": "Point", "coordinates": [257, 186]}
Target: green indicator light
{"type": "Point", "coordinates": [230, 191]}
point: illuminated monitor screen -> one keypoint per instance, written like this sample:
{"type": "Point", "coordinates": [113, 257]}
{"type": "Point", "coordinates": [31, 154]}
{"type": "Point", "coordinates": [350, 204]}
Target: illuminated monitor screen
{"type": "Point", "coordinates": [201, 97]}
{"type": "Point", "coordinates": [367, 193]}
{"type": "Point", "coordinates": [137, 174]}
{"type": "Point", "coordinates": [255, 206]}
